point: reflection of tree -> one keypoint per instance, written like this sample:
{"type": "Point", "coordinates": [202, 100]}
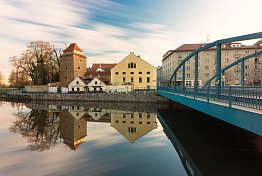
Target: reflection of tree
{"type": "Point", "coordinates": [39, 127]}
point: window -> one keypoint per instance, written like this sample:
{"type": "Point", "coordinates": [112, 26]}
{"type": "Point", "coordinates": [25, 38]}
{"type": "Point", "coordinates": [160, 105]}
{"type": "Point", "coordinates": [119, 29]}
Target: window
{"type": "Point", "coordinates": [78, 89]}
{"type": "Point", "coordinates": [148, 79]}
{"type": "Point", "coordinates": [147, 122]}
{"type": "Point", "coordinates": [132, 122]}
{"type": "Point", "coordinates": [140, 73]}
{"type": "Point", "coordinates": [73, 89]}
{"type": "Point", "coordinates": [66, 67]}
{"type": "Point", "coordinates": [124, 115]}
{"type": "Point", "coordinates": [124, 73]}
{"type": "Point", "coordinates": [148, 115]}
{"type": "Point", "coordinates": [132, 79]}
{"type": "Point", "coordinates": [77, 82]}
{"type": "Point", "coordinates": [124, 121]}
{"type": "Point", "coordinates": [179, 55]}
{"type": "Point", "coordinates": [226, 53]}
{"type": "Point", "coordinates": [124, 79]}
{"type": "Point", "coordinates": [66, 77]}
{"type": "Point", "coordinates": [78, 67]}
{"type": "Point", "coordinates": [77, 114]}
{"type": "Point", "coordinates": [140, 122]}
{"type": "Point", "coordinates": [226, 60]}
{"type": "Point", "coordinates": [148, 72]}
{"type": "Point", "coordinates": [131, 129]}
{"type": "Point", "coordinates": [207, 75]}
{"type": "Point", "coordinates": [187, 68]}
{"type": "Point", "coordinates": [140, 115]}
{"type": "Point", "coordinates": [131, 73]}
{"type": "Point", "coordinates": [206, 67]}
{"type": "Point", "coordinates": [131, 65]}
{"type": "Point", "coordinates": [188, 75]}
{"type": "Point", "coordinates": [207, 60]}
{"type": "Point", "coordinates": [247, 67]}
{"type": "Point", "coordinates": [140, 79]}
{"type": "Point", "coordinates": [116, 73]}
{"type": "Point", "coordinates": [117, 121]}
{"type": "Point", "coordinates": [132, 115]}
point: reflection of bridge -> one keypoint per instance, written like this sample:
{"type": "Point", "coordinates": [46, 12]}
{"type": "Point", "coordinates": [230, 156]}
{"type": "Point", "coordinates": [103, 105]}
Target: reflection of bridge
{"type": "Point", "coordinates": [231, 104]}
{"type": "Point", "coordinates": [207, 146]}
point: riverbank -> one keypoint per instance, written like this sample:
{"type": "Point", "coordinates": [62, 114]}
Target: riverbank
{"type": "Point", "coordinates": [145, 96]}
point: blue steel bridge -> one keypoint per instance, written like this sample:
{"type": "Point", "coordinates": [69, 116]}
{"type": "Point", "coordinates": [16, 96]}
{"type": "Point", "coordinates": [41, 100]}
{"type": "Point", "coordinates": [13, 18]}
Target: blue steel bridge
{"type": "Point", "coordinates": [238, 105]}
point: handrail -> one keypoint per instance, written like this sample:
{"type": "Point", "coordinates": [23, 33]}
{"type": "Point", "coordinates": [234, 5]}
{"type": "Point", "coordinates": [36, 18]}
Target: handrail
{"type": "Point", "coordinates": [213, 44]}
{"type": "Point", "coordinates": [231, 65]}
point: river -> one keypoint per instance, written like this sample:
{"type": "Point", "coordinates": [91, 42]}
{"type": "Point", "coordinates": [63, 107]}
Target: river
{"type": "Point", "coordinates": [103, 139]}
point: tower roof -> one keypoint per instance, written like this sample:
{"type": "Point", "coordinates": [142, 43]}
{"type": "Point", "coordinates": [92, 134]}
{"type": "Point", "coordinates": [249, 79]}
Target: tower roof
{"type": "Point", "coordinates": [73, 46]}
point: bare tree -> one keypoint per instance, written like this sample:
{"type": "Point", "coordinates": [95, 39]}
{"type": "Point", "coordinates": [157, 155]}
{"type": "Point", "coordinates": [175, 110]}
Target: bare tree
{"type": "Point", "coordinates": [40, 61]}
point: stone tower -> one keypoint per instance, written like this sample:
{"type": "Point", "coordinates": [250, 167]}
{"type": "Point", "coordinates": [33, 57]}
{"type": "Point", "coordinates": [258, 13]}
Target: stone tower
{"type": "Point", "coordinates": [72, 64]}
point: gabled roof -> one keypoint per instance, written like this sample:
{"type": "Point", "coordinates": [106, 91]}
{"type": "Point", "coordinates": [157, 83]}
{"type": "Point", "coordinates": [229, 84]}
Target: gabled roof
{"type": "Point", "coordinates": [258, 42]}
{"type": "Point", "coordinates": [73, 46]}
{"type": "Point", "coordinates": [138, 57]}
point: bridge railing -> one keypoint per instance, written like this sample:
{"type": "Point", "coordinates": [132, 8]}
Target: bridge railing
{"type": "Point", "coordinates": [250, 97]}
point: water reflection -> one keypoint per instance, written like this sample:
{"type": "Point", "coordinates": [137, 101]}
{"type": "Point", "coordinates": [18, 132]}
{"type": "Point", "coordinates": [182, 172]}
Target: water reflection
{"type": "Point", "coordinates": [208, 146]}
{"type": "Point", "coordinates": [39, 127]}
{"type": "Point", "coordinates": [45, 126]}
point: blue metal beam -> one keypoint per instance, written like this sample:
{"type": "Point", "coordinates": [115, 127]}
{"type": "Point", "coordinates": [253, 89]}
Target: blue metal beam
{"type": "Point", "coordinates": [218, 68]}
{"type": "Point", "coordinates": [184, 76]}
{"type": "Point", "coordinates": [242, 83]}
{"type": "Point", "coordinates": [196, 74]}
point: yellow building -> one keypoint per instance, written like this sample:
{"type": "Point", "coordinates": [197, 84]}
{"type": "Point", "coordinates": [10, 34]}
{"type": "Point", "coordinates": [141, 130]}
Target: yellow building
{"type": "Point", "coordinates": [133, 125]}
{"type": "Point", "coordinates": [134, 70]}
{"type": "Point", "coordinates": [73, 128]}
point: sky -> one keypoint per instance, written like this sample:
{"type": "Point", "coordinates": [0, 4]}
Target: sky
{"type": "Point", "coordinates": [108, 30]}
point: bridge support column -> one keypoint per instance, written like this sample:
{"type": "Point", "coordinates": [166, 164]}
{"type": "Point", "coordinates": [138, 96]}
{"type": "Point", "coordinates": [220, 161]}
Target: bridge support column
{"type": "Point", "coordinates": [174, 80]}
{"type": "Point", "coordinates": [196, 74]}
{"type": "Point", "coordinates": [218, 69]}
{"type": "Point", "coordinates": [242, 82]}
{"type": "Point", "coordinates": [184, 76]}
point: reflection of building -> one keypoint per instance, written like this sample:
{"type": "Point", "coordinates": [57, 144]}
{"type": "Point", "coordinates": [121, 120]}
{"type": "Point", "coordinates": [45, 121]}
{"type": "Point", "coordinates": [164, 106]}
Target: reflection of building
{"type": "Point", "coordinates": [133, 125]}
{"type": "Point", "coordinates": [73, 128]}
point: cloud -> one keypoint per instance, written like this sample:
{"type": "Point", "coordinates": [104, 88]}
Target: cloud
{"type": "Point", "coordinates": [107, 31]}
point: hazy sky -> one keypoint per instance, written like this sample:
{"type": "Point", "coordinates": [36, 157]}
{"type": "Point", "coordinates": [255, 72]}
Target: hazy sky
{"type": "Point", "coordinates": [107, 30]}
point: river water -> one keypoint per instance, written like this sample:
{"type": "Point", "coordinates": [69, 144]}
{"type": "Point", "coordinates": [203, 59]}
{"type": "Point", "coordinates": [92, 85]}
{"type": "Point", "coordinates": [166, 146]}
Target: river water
{"type": "Point", "coordinates": [65, 138]}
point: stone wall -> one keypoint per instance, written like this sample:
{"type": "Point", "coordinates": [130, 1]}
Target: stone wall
{"type": "Point", "coordinates": [36, 88]}
{"type": "Point", "coordinates": [135, 96]}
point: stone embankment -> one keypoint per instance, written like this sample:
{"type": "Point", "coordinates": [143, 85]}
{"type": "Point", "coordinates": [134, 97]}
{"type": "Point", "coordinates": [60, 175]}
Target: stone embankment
{"type": "Point", "coordinates": [146, 96]}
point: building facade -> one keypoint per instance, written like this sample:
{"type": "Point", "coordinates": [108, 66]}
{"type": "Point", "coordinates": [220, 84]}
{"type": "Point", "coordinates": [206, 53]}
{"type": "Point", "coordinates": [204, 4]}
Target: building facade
{"type": "Point", "coordinates": [134, 70]}
{"type": "Point", "coordinates": [72, 64]}
{"type": "Point", "coordinates": [230, 52]}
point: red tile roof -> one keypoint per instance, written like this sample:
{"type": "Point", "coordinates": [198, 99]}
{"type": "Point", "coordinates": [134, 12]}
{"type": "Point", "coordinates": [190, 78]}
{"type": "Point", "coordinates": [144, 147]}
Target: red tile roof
{"type": "Point", "coordinates": [73, 46]}
{"type": "Point", "coordinates": [71, 54]}
{"type": "Point", "coordinates": [190, 47]}
{"type": "Point", "coordinates": [101, 65]}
